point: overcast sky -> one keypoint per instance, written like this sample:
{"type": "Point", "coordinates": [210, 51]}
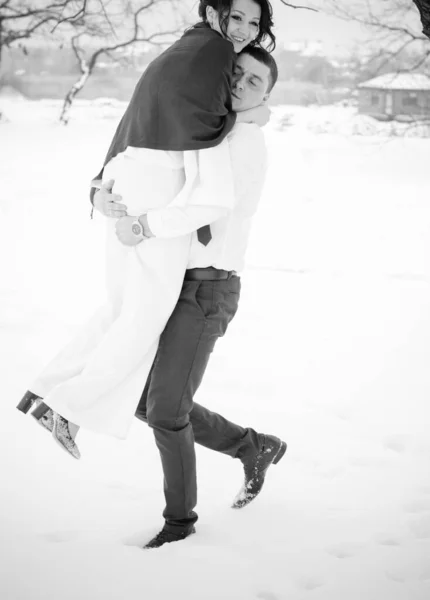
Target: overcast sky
{"type": "Point", "coordinates": [335, 34]}
{"type": "Point", "coordinates": [293, 25]}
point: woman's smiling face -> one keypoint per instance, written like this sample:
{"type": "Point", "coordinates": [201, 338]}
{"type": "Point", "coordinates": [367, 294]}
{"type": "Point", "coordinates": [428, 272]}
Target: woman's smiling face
{"type": "Point", "coordinates": [242, 24]}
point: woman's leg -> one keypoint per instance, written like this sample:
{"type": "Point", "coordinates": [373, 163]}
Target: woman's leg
{"type": "Point", "coordinates": [103, 397]}
{"type": "Point", "coordinates": [73, 357]}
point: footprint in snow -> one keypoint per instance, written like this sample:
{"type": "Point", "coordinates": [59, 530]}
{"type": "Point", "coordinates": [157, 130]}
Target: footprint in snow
{"type": "Point", "coordinates": [342, 414]}
{"type": "Point", "coordinates": [420, 527]}
{"type": "Point", "coordinates": [310, 582]}
{"type": "Point", "coordinates": [333, 472]}
{"type": "Point", "coordinates": [396, 443]}
{"type": "Point", "coordinates": [419, 506]}
{"type": "Point", "coordinates": [122, 488]}
{"type": "Point", "coordinates": [425, 572]}
{"type": "Point", "coordinates": [345, 550]}
{"type": "Point", "coordinates": [368, 461]}
{"type": "Point", "coordinates": [384, 539]}
{"type": "Point", "coordinates": [397, 576]}
{"type": "Point", "coordinates": [409, 573]}
{"type": "Point", "coordinates": [58, 537]}
{"type": "Point", "coordinates": [267, 596]}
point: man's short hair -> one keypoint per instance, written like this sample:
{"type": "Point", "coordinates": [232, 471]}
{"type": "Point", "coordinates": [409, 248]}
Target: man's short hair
{"type": "Point", "coordinates": [267, 59]}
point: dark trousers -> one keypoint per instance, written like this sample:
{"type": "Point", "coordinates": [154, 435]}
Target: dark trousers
{"type": "Point", "coordinates": [203, 312]}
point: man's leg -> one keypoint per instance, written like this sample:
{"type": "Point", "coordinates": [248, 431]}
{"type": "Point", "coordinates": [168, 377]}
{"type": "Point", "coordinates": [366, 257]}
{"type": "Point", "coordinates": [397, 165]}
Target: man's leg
{"type": "Point", "coordinates": [213, 431]}
{"type": "Point", "coordinates": [201, 316]}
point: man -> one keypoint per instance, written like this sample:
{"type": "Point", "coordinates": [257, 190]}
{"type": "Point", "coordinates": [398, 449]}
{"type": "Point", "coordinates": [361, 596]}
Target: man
{"type": "Point", "coordinates": [208, 301]}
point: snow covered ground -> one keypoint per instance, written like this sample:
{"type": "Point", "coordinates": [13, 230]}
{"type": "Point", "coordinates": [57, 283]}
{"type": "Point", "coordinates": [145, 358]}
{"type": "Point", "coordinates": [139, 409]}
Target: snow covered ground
{"type": "Point", "coordinates": [329, 350]}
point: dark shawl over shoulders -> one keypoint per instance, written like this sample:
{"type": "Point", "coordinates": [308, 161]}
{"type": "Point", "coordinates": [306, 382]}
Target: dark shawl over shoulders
{"type": "Point", "coordinates": [183, 99]}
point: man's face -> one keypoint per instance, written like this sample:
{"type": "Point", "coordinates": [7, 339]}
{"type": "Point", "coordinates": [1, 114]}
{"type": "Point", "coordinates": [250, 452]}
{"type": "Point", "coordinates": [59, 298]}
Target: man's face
{"type": "Point", "coordinates": [251, 80]}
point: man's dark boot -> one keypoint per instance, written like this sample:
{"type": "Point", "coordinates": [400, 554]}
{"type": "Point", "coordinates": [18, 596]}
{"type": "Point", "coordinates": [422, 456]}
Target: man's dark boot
{"type": "Point", "coordinates": [255, 467]}
{"type": "Point", "coordinates": [166, 537]}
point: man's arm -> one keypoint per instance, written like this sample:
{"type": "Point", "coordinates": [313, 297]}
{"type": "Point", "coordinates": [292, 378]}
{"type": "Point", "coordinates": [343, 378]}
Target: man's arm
{"type": "Point", "coordinates": [249, 163]}
{"type": "Point", "coordinates": [171, 221]}
{"type": "Point", "coordinates": [207, 195]}
{"type": "Point", "coordinates": [248, 160]}
{"type": "Point", "coordinates": [174, 222]}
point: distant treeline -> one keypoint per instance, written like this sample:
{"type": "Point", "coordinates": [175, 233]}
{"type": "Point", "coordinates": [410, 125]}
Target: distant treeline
{"type": "Point", "coordinates": [50, 72]}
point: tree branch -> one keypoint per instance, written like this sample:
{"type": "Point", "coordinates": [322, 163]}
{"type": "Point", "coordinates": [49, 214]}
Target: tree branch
{"type": "Point", "coordinates": [107, 49]}
{"type": "Point", "coordinates": [420, 62]}
{"type": "Point", "coordinates": [299, 7]}
{"type": "Point", "coordinates": [13, 35]}
{"type": "Point", "coordinates": [372, 20]}
{"type": "Point", "coordinates": [71, 18]}
{"type": "Point", "coordinates": [387, 56]}
{"type": "Point", "coordinates": [107, 18]}
{"type": "Point", "coordinates": [50, 8]}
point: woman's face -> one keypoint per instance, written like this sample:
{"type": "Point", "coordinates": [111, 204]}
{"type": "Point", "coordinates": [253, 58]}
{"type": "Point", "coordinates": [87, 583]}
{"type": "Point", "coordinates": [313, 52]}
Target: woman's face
{"type": "Point", "coordinates": [242, 25]}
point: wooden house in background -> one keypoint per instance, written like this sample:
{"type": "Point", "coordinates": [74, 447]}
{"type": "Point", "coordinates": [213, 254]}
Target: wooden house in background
{"type": "Point", "coordinates": [401, 96]}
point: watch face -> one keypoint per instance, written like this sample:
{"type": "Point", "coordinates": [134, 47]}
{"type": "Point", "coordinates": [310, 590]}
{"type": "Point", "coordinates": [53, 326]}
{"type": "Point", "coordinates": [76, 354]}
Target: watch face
{"type": "Point", "coordinates": [136, 229]}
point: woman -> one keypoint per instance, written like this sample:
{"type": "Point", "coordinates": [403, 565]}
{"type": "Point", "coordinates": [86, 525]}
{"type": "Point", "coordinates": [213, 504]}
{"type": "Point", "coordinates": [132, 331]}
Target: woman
{"type": "Point", "coordinates": [182, 103]}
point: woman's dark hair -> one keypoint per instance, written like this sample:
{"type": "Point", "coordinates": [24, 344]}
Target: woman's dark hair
{"type": "Point", "coordinates": [223, 7]}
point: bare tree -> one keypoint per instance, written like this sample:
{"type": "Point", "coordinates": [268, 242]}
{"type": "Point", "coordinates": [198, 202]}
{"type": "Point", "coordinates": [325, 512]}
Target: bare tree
{"type": "Point", "coordinates": [23, 19]}
{"type": "Point", "coordinates": [117, 30]}
{"type": "Point", "coordinates": [422, 5]}
{"type": "Point", "coordinates": [395, 34]}
{"type": "Point", "coordinates": [398, 42]}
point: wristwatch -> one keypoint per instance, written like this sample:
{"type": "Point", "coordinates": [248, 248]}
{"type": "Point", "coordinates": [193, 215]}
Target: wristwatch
{"type": "Point", "coordinates": [137, 229]}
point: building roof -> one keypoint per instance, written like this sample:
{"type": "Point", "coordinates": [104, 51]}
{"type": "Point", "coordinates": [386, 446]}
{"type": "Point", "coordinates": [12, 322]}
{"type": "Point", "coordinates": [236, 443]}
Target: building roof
{"type": "Point", "coordinates": [398, 81]}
